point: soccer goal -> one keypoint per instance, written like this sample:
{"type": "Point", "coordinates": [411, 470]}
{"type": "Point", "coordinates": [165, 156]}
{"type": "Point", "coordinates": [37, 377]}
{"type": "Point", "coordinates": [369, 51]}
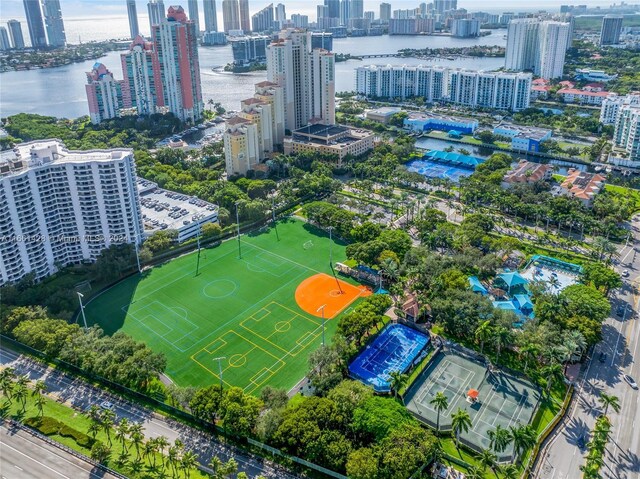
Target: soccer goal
{"type": "Point", "coordinates": [308, 245]}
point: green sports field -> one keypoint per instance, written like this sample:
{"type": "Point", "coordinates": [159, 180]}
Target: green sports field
{"type": "Point", "coordinates": [241, 309]}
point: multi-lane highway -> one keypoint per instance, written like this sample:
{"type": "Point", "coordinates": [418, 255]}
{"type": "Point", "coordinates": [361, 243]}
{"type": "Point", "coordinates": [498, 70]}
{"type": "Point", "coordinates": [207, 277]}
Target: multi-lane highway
{"type": "Point", "coordinates": [81, 396]}
{"type": "Point", "coordinates": [24, 456]}
{"type": "Point", "coordinates": [621, 335]}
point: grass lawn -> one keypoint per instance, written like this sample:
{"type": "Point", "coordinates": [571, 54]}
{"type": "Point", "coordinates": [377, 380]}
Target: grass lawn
{"type": "Point", "coordinates": [243, 310]}
{"type": "Point", "coordinates": [80, 422]}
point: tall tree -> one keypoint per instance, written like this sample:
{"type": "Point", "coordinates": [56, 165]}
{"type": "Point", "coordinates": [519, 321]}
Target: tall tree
{"type": "Point", "coordinates": [460, 422]}
{"type": "Point", "coordinates": [440, 403]}
{"type": "Point", "coordinates": [398, 381]}
{"type": "Point", "coordinates": [499, 438]}
{"type": "Point", "coordinates": [609, 401]}
{"type": "Point", "coordinates": [483, 333]}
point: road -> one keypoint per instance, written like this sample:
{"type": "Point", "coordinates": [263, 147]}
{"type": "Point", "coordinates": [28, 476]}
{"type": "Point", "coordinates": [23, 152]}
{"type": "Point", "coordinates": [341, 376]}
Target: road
{"type": "Point", "coordinates": [621, 338]}
{"type": "Point", "coordinates": [27, 457]}
{"type": "Point", "coordinates": [81, 396]}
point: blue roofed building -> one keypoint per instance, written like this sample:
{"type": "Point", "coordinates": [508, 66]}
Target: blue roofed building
{"type": "Point", "coordinates": [453, 159]}
{"type": "Point", "coordinates": [523, 138]}
{"type": "Point", "coordinates": [421, 122]}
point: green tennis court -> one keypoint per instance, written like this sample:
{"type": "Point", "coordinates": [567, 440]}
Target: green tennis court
{"type": "Point", "coordinates": [502, 398]}
{"type": "Point", "coordinates": [240, 309]}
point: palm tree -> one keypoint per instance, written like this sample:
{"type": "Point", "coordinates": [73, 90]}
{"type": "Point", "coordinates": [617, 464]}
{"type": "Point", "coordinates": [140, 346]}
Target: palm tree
{"type": "Point", "coordinates": [149, 451]}
{"type": "Point", "coordinates": [510, 471]}
{"type": "Point", "coordinates": [474, 472]}
{"type": "Point", "coordinates": [484, 332]}
{"type": "Point", "coordinates": [94, 429]}
{"type": "Point", "coordinates": [499, 438]}
{"type": "Point", "coordinates": [460, 422]}
{"type": "Point", "coordinates": [222, 469]}
{"type": "Point", "coordinates": [553, 372]}
{"type": "Point", "coordinates": [161, 443]}
{"type": "Point", "coordinates": [397, 381]}
{"type": "Point", "coordinates": [40, 402]}
{"type": "Point", "coordinates": [529, 352]}
{"type": "Point", "coordinates": [501, 337]}
{"type": "Point", "coordinates": [608, 400]}
{"type": "Point", "coordinates": [122, 431]}
{"type": "Point", "coordinates": [188, 462]}
{"type": "Point", "coordinates": [173, 458]}
{"type": "Point", "coordinates": [20, 394]}
{"type": "Point", "coordinates": [488, 459]}
{"type": "Point", "coordinates": [107, 423]}
{"type": "Point", "coordinates": [440, 403]}
{"type": "Point", "coordinates": [523, 438]}
{"type": "Point", "coordinates": [137, 437]}
{"type": "Point", "coordinates": [7, 378]}
{"type": "Point", "coordinates": [100, 452]}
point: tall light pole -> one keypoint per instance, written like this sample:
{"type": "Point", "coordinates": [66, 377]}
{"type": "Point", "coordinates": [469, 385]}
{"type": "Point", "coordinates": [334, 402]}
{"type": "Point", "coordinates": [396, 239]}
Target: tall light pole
{"type": "Point", "coordinates": [273, 213]}
{"type": "Point", "coordinates": [321, 308]}
{"type": "Point", "coordinates": [220, 369]}
{"type": "Point", "coordinates": [238, 225]}
{"type": "Point", "coordinates": [84, 318]}
{"type": "Point", "coordinates": [331, 246]}
{"type": "Point", "coordinates": [199, 226]}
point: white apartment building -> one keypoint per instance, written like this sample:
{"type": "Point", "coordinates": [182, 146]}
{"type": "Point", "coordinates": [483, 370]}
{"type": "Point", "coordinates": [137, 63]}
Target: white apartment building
{"type": "Point", "coordinates": [60, 207]}
{"type": "Point", "coordinates": [611, 106]}
{"type": "Point", "coordinates": [307, 78]}
{"type": "Point", "coordinates": [499, 90]}
{"type": "Point", "coordinates": [554, 41]}
{"type": "Point", "coordinates": [539, 46]}
{"type": "Point", "coordinates": [627, 132]}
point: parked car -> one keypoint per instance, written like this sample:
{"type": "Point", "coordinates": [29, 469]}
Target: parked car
{"type": "Point", "coordinates": [620, 310]}
{"type": "Point", "coordinates": [625, 274]}
{"type": "Point", "coordinates": [107, 405]}
{"type": "Point", "coordinates": [630, 381]}
{"type": "Point", "coordinates": [582, 442]}
{"type": "Point", "coordinates": [603, 357]}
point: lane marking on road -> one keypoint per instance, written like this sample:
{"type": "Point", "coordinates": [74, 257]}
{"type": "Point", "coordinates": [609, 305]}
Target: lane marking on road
{"type": "Point", "coordinates": [34, 460]}
{"type": "Point", "coordinates": [18, 467]}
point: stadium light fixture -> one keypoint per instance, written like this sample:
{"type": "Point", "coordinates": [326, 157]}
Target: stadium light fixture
{"type": "Point", "coordinates": [321, 308]}
{"type": "Point", "coordinates": [84, 318]}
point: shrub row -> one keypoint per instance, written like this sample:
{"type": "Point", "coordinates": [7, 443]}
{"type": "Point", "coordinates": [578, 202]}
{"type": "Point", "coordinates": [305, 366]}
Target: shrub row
{"type": "Point", "coordinates": [50, 427]}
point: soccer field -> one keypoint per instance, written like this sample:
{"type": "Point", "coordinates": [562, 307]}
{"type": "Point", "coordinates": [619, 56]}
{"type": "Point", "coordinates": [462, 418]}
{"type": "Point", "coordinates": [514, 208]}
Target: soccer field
{"type": "Point", "coordinates": [259, 312]}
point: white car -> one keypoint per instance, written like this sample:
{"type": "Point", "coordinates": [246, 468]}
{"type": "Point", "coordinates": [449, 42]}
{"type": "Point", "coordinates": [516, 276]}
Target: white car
{"type": "Point", "coordinates": [625, 274]}
{"type": "Point", "coordinates": [107, 406]}
{"type": "Point", "coordinates": [630, 381]}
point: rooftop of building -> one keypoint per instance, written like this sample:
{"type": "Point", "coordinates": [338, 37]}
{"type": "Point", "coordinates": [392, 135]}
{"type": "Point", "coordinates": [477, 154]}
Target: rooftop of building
{"type": "Point", "coordinates": [525, 131]}
{"type": "Point", "coordinates": [385, 110]}
{"type": "Point", "coordinates": [527, 172]}
{"type": "Point", "coordinates": [582, 184]}
{"type": "Point", "coordinates": [41, 152]}
{"type": "Point", "coordinates": [163, 209]}
{"type": "Point", "coordinates": [265, 84]}
{"type": "Point", "coordinates": [575, 91]}
{"type": "Point", "coordinates": [236, 120]}
{"type": "Point", "coordinates": [329, 135]}
{"type": "Point", "coordinates": [433, 116]}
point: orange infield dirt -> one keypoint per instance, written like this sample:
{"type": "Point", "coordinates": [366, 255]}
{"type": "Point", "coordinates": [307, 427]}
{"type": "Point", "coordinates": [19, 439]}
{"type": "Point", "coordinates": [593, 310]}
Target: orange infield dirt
{"type": "Point", "coordinates": [321, 289]}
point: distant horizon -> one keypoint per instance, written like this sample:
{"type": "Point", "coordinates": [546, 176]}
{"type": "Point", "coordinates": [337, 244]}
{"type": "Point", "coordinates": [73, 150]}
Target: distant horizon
{"type": "Point", "coordinates": [83, 9]}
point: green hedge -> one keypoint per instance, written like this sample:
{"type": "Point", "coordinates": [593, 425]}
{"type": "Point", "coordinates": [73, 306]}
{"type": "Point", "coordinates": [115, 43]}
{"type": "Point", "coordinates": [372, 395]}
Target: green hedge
{"type": "Point", "coordinates": [51, 427]}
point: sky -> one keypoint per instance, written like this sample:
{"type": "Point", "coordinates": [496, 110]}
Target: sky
{"type": "Point", "coordinates": [101, 8]}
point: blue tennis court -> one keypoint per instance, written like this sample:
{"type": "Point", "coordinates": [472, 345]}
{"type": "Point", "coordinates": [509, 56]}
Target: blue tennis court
{"type": "Point", "coordinates": [395, 349]}
{"type": "Point", "coordinates": [437, 170]}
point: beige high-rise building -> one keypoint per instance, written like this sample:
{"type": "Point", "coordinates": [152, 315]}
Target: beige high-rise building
{"type": "Point", "coordinates": [230, 15]}
{"type": "Point", "coordinates": [259, 112]}
{"type": "Point", "coordinates": [307, 78]}
{"type": "Point", "coordinates": [300, 90]}
{"type": "Point", "coordinates": [272, 93]}
{"type": "Point", "coordinates": [245, 17]}
{"type": "Point", "coordinates": [241, 146]}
